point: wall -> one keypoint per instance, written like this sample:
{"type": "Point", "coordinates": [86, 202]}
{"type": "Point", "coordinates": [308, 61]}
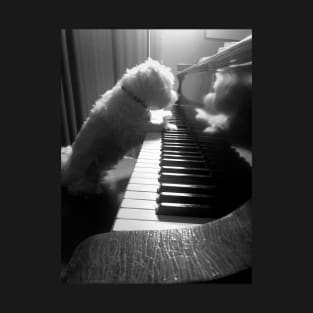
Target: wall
{"type": "Point", "coordinates": [187, 46]}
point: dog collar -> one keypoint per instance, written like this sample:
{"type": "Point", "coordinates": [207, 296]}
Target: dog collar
{"type": "Point", "coordinates": [134, 97]}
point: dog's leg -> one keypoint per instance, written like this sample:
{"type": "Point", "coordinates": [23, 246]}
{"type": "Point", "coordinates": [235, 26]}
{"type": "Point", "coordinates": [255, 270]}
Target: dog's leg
{"type": "Point", "coordinates": [88, 182]}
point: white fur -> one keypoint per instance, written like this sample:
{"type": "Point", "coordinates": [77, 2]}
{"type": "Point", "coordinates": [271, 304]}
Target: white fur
{"type": "Point", "coordinates": [227, 108]}
{"type": "Point", "coordinates": [216, 122]}
{"type": "Point", "coordinates": [116, 124]}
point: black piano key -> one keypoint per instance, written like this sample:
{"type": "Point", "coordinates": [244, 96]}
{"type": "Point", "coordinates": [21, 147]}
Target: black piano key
{"type": "Point", "coordinates": [177, 132]}
{"type": "Point", "coordinates": [176, 139]}
{"type": "Point", "coordinates": [194, 188]}
{"type": "Point", "coordinates": [174, 134]}
{"type": "Point", "coordinates": [179, 147]}
{"type": "Point", "coordinates": [182, 156]}
{"type": "Point", "coordinates": [182, 162]}
{"type": "Point", "coordinates": [185, 169]}
{"type": "Point", "coordinates": [170, 138]}
{"type": "Point", "coordinates": [181, 144]}
{"type": "Point", "coordinates": [196, 152]}
{"type": "Point", "coordinates": [184, 197]}
{"type": "Point", "coordinates": [184, 178]}
{"type": "Point", "coordinates": [185, 209]}
{"type": "Point", "coordinates": [180, 135]}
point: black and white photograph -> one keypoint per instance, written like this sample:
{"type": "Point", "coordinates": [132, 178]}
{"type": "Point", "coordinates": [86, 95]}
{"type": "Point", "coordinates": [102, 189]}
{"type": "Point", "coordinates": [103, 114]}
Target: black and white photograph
{"type": "Point", "coordinates": [156, 156]}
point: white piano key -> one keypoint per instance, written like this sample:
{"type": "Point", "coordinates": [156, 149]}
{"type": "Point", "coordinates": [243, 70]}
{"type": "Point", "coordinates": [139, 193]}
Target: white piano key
{"type": "Point", "coordinates": [138, 204]}
{"type": "Point", "coordinates": [139, 174]}
{"type": "Point", "coordinates": [151, 156]}
{"type": "Point", "coordinates": [140, 187]}
{"type": "Point", "coordinates": [140, 195]}
{"type": "Point", "coordinates": [129, 224]}
{"type": "Point", "coordinates": [137, 214]}
{"type": "Point", "coordinates": [139, 180]}
{"type": "Point", "coordinates": [146, 165]}
{"type": "Point", "coordinates": [146, 170]}
{"type": "Point", "coordinates": [152, 142]}
{"type": "Point", "coordinates": [151, 145]}
{"type": "Point", "coordinates": [154, 162]}
{"type": "Point", "coordinates": [151, 150]}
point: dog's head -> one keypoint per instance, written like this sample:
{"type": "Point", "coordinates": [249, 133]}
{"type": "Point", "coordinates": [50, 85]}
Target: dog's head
{"type": "Point", "coordinates": [152, 82]}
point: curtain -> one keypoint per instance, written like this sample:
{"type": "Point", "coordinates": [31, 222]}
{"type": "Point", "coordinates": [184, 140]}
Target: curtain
{"type": "Point", "coordinates": [71, 109]}
{"type": "Point", "coordinates": [129, 49]}
{"type": "Point", "coordinates": [93, 60]}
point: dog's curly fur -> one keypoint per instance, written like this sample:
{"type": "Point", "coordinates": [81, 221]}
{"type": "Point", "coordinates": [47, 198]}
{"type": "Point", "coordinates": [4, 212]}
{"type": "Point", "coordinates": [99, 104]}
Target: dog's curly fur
{"type": "Point", "coordinates": [116, 123]}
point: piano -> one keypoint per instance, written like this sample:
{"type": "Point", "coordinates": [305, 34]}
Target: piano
{"type": "Point", "coordinates": [186, 212]}
{"type": "Point", "coordinates": [182, 178]}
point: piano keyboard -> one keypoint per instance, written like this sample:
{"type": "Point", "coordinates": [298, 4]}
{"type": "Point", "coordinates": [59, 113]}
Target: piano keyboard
{"type": "Point", "coordinates": [183, 178]}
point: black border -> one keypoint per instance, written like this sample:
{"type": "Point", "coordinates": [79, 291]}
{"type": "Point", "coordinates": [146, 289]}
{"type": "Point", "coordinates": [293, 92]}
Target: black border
{"type": "Point", "coordinates": [34, 236]}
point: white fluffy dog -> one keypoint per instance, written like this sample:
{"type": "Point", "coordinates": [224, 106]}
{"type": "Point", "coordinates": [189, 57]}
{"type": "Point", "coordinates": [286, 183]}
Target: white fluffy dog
{"type": "Point", "coordinates": [117, 123]}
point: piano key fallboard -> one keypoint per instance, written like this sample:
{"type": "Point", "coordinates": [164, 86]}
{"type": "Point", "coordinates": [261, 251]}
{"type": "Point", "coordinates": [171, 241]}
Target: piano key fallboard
{"type": "Point", "coordinates": [183, 178]}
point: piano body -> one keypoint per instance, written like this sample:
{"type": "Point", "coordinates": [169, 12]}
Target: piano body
{"type": "Point", "coordinates": [186, 211]}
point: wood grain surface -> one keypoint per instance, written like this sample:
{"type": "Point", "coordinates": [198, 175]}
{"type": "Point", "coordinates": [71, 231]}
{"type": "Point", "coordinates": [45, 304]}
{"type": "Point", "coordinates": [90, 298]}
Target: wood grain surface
{"type": "Point", "coordinates": [193, 254]}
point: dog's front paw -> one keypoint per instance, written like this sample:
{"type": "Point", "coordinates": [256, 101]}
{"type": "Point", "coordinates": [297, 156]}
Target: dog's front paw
{"type": "Point", "coordinates": [170, 126]}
